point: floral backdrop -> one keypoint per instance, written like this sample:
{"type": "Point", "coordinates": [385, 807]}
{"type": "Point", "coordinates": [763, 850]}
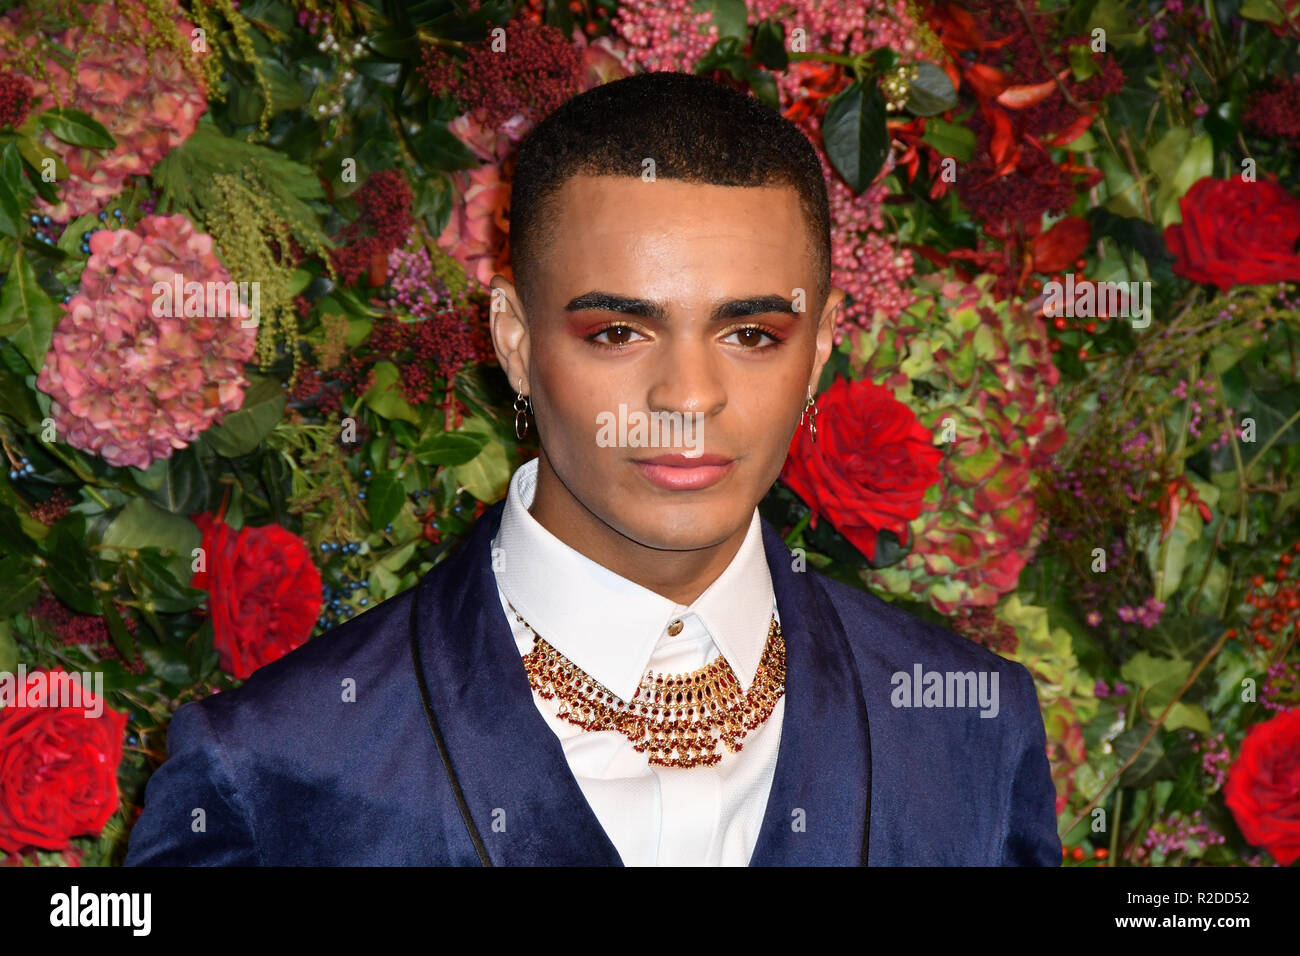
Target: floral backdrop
{"type": "Point", "coordinates": [1105, 494]}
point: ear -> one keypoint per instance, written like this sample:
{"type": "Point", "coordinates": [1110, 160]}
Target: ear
{"type": "Point", "coordinates": [826, 335]}
{"type": "Point", "coordinates": [509, 328]}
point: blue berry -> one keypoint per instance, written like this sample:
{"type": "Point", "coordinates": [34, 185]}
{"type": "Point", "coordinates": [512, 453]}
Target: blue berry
{"type": "Point", "coordinates": [361, 495]}
{"type": "Point", "coordinates": [46, 220]}
{"type": "Point", "coordinates": [364, 601]}
{"type": "Point", "coordinates": [103, 216]}
{"type": "Point", "coordinates": [117, 213]}
{"type": "Point", "coordinates": [34, 219]}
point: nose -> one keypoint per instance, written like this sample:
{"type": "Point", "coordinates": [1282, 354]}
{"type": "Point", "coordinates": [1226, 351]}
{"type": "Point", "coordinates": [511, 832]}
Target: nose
{"type": "Point", "coordinates": [687, 379]}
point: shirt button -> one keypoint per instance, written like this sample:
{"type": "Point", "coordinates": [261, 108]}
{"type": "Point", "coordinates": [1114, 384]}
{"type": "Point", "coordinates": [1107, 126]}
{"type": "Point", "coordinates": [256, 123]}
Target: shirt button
{"type": "Point", "coordinates": [674, 628]}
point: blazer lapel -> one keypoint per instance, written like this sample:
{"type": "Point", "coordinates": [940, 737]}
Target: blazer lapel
{"type": "Point", "coordinates": [817, 810]}
{"type": "Point", "coordinates": [524, 800]}
{"type": "Point", "coordinates": [521, 794]}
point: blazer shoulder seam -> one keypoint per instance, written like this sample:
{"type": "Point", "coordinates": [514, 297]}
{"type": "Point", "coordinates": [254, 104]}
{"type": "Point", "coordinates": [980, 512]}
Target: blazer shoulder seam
{"type": "Point", "coordinates": [236, 798]}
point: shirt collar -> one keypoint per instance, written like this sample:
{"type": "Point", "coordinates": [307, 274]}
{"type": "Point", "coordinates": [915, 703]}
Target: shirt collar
{"type": "Point", "coordinates": [609, 626]}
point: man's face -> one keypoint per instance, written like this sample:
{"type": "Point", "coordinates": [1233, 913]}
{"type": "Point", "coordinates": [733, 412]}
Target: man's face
{"type": "Point", "coordinates": [675, 298]}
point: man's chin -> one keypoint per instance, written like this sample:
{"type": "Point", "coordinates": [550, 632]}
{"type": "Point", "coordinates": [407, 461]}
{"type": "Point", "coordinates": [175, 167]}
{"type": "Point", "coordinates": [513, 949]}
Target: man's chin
{"type": "Point", "coordinates": [679, 527]}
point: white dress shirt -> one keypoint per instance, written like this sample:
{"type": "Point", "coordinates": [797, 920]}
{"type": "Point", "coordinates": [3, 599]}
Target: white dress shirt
{"type": "Point", "coordinates": [615, 630]}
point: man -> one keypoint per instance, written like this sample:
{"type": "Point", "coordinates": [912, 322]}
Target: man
{"type": "Point", "coordinates": [514, 706]}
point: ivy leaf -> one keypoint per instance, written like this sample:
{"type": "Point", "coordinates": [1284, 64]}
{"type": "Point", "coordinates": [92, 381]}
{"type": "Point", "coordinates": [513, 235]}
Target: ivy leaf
{"type": "Point", "coordinates": [1151, 765]}
{"type": "Point", "coordinates": [854, 134]}
{"type": "Point", "coordinates": [77, 128]}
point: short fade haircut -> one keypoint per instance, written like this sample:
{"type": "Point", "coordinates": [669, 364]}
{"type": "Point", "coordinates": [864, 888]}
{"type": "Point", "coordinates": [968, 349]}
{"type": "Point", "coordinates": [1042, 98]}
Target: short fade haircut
{"type": "Point", "coordinates": [694, 128]}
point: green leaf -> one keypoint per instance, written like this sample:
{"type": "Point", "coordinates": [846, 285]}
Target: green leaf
{"type": "Point", "coordinates": [438, 148]}
{"type": "Point", "coordinates": [729, 16]}
{"type": "Point", "coordinates": [67, 570]}
{"type": "Point", "coordinates": [243, 430]}
{"type": "Point", "coordinates": [11, 200]}
{"type": "Point", "coordinates": [384, 397]}
{"type": "Point", "coordinates": [122, 638]}
{"type": "Point", "coordinates": [19, 585]}
{"type": "Point", "coordinates": [75, 127]}
{"type": "Point", "coordinates": [450, 448]}
{"type": "Point", "coordinates": [16, 399]}
{"type": "Point", "coordinates": [167, 594]}
{"type": "Point", "coordinates": [142, 524]}
{"type": "Point", "coordinates": [185, 485]}
{"type": "Point", "coordinates": [26, 312]}
{"type": "Point", "coordinates": [1186, 794]}
{"type": "Point", "coordinates": [1143, 670]}
{"type": "Point", "coordinates": [1186, 715]}
{"type": "Point", "coordinates": [1082, 62]}
{"type": "Point", "coordinates": [36, 155]}
{"type": "Point", "coordinates": [70, 241]}
{"type": "Point", "coordinates": [8, 649]}
{"type": "Point", "coordinates": [950, 139]}
{"type": "Point", "coordinates": [854, 134]}
{"type": "Point", "coordinates": [168, 663]}
{"type": "Point", "coordinates": [1266, 11]}
{"type": "Point", "coordinates": [931, 92]}
{"type": "Point", "coordinates": [488, 475]}
{"type": "Point", "coordinates": [1151, 765]}
{"type": "Point", "coordinates": [769, 45]}
{"type": "Point", "coordinates": [384, 498]}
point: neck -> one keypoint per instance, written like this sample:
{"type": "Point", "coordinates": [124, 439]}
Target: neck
{"type": "Point", "coordinates": [680, 576]}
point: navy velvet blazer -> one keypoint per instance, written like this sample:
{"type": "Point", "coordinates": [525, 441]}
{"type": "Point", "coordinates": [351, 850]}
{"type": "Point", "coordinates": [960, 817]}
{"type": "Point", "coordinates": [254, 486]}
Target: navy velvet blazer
{"type": "Point", "coordinates": [285, 771]}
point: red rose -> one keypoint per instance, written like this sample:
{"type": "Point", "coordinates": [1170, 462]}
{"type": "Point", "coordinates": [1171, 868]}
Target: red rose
{"type": "Point", "coordinates": [1263, 788]}
{"type": "Point", "coordinates": [1236, 233]}
{"type": "Point", "coordinates": [265, 592]}
{"type": "Point", "coordinates": [870, 466]}
{"type": "Point", "coordinates": [58, 767]}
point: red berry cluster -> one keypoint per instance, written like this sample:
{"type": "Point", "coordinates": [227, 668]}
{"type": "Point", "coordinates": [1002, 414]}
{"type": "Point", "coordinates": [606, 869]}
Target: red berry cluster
{"type": "Point", "coordinates": [385, 202]}
{"type": "Point", "coordinates": [585, 14]}
{"type": "Point", "coordinates": [1079, 854]}
{"type": "Point", "coordinates": [1275, 112]}
{"type": "Point", "coordinates": [1277, 609]}
{"type": "Point", "coordinates": [537, 71]}
{"type": "Point", "coordinates": [1063, 323]}
{"type": "Point", "coordinates": [48, 512]}
{"type": "Point", "coordinates": [70, 627]}
{"type": "Point", "coordinates": [15, 98]}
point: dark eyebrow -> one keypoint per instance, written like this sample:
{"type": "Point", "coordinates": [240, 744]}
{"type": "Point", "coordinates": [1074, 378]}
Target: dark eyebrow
{"type": "Point", "coordinates": [731, 309]}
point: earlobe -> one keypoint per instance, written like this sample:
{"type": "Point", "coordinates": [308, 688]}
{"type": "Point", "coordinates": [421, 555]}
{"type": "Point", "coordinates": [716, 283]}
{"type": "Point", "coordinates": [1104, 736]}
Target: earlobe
{"type": "Point", "coordinates": [508, 326]}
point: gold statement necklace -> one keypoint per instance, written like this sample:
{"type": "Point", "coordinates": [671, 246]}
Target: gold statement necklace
{"type": "Point", "coordinates": [683, 720]}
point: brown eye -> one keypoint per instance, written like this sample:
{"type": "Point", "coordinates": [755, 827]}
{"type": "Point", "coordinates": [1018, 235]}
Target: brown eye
{"type": "Point", "coordinates": [751, 337]}
{"type": "Point", "coordinates": [619, 335]}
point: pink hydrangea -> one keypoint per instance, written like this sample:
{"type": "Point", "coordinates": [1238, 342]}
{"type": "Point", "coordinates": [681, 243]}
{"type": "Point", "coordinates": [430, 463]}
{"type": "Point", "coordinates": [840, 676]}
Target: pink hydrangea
{"type": "Point", "coordinates": [131, 386]}
{"type": "Point", "coordinates": [147, 100]}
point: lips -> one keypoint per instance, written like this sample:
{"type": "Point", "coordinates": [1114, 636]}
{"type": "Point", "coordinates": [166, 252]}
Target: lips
{"type": "Point", "coordinates": [685, 461]}
{"type": "Point", "coordinates": [682, 473]}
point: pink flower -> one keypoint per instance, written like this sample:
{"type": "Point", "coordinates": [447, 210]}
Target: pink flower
{"type": "Point", "coordinates": [132, 386]}
{"type": "Point", "coordinates": [145, 98]}
{"type": "Point", "coordinates": [478, 233]}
